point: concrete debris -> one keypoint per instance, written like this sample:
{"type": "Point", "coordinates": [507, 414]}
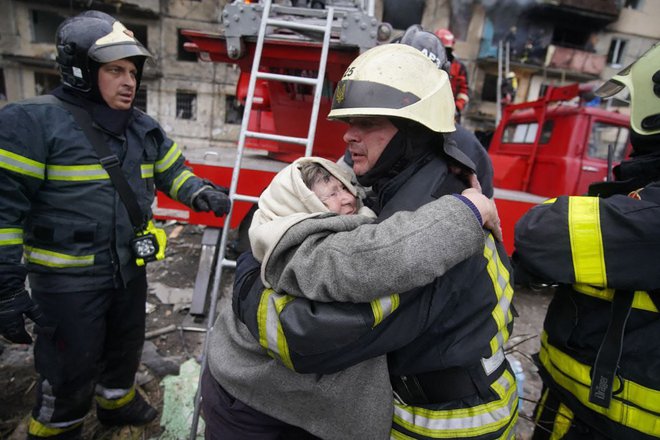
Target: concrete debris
{"type": "Point", "coordinates": [160, 365]}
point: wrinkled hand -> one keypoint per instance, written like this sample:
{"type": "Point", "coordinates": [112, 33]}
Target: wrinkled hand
{"type": "Point", "coordinates": [212, 199]}
{"type": "Point", "coordinates": [12, 321]}
{"type": "Point", "coordinates": [487, 209]}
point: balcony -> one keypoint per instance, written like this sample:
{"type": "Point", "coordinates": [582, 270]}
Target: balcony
{"type": "Point", "coordinates": [574, 60]}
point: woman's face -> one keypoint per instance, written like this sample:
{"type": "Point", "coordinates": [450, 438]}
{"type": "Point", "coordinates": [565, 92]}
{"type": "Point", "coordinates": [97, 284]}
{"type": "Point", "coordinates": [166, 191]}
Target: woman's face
{"type": "Point", "coordinates": [335, 196]}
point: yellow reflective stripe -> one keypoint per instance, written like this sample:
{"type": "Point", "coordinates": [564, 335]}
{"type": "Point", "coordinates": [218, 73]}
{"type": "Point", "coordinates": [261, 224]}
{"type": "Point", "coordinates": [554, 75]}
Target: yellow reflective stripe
{"type": "Point", "coordinates": [76, 172]}
{"type": "Point", "coordinates": [271, 334]}
{"type": "Point", "coordinates": [21, 165]}
{"type": "Point", "coordinates": [550, 201]}
{"type": "Point", "coordinates": [635, 406]}
{"type": "Point", "coordinates": [562, 423]}
{"type": "Point", "coordinates": [168, 160]}
{"type": "Point", "coordinates": [116, 403]}
{"type": "Point", "coordinates": [178, 182]}
{"type": "Point", "coordinates": [147, 170]}
{"type": "Point", "coordinates": [464, 422]}
{"type": "Point", "coordinates": [55, 259]}
{"type": "Point", "coordinates": [38, 429]}
{"type": "Point", "coordinates": [642, 300]}
{"type": "Point", "coordinates": [384, 307]}
{"type": "Point", "coordinates": [586, 241]}
{"type": "Point", "coordinates": [501, 280]}
{"type": "Point", "coordinates": [11, 236]}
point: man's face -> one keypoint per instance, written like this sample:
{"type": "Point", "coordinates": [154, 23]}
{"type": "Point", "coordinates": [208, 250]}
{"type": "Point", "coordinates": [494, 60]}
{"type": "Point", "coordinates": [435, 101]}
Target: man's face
{"type": "Point", "coordinates": [117, 82]}
{"type": "Point", "coordinates": [367, 138]}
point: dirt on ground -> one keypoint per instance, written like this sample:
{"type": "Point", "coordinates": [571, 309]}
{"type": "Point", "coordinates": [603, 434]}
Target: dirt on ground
{"type": "Point", "coordinates": [182, 338]}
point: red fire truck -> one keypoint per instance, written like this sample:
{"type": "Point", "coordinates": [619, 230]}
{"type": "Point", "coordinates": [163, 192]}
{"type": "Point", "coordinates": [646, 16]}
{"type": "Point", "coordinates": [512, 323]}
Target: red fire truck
{"type": "Point", "coordinates": [553, 146]}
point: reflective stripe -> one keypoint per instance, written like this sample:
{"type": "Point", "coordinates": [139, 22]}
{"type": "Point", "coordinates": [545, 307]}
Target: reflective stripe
{"type": "Point", "coordinates": [55, 259]}
{"type": "Point", "coordinates": [384, 307]}
{"type": "Point", "coordinates": [11, 236]}
{"type": "Point", "coordinates": [21, 165]}
{"type": "Point", "coordinates": [147, 170]}
{"type": "Point", "coordinates": [501, 280]}
{"type": "Point", "coordinates": [168, 160]}
{"type": "Point", "coordinates": [271, 335]}
{"type": "Point", "coordinates": [586, 241]}
{"type": "Point", "coordinates": [641, 300]}
{"type": "Point", "coordinates": [178, 182]}
{"type": "Point", "coordinates": [562, 423]}
{"type": "Point", "coordinates": [116, 403]}
{"type": "Point", "coordinates": [76, 172]}
{"type": "Point", "coordinates": [483, 419]}
{"type": "Point", "coordinates": [635, 406]}
{"type": "Point", "coordinates": [38, 429]}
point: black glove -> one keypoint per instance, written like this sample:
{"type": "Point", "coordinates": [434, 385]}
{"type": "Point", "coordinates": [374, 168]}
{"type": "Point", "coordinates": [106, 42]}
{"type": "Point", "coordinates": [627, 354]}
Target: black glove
{"type": "Point", "coordinates": [212, 199]}
{"type": "Point", "coordinates": [12, 322]}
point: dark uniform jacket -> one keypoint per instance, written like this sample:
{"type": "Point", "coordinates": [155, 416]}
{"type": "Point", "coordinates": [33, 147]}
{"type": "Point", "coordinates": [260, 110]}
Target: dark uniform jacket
{"type": "Point", "coordinates": [59, 208]}
{"type": "Point", "coordinates": [461, 320]}
{"type": "Point", "coordinates": [602, 253]}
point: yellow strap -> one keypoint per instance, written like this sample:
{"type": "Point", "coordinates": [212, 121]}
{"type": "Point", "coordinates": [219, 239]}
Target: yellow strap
{"type": "Point", "coordinates": [586, 241]}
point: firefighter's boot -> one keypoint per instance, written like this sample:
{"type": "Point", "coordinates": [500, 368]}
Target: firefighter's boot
{"type": "Point", "coordinates": [38, 431]}
{"type": "Point", "coordinates": [136, 412]}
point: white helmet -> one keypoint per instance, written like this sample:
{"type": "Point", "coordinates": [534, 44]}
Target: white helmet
{"type": "Point", "coordinates": [396, 80]}
{"type": "Point", "coordinates": [642, 78]}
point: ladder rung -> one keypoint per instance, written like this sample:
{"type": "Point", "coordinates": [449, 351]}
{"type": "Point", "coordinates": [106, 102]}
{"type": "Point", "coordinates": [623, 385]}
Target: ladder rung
{"type": "Point", "coordinates": [294, 25]}
{"type": "Point", "coordinates": [228, 263]}
{"type": "Point", "coordinates": [288, 78]}
{"type": "Point", "coordinates": [246, 198]}
{"type": "Point", "coordinates": [276, 137]}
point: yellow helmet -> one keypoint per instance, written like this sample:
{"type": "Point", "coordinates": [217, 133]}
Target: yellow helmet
{"type": "Point", "coordinates": [396, 80]}
{"type": "Point", "coordinates": [642, 78]}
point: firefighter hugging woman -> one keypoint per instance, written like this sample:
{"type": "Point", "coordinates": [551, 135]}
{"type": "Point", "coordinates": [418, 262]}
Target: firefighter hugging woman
{"type": "Point", "coordinates": [338, 310]}
{"type": "Point", "coordinates": [78, 172]}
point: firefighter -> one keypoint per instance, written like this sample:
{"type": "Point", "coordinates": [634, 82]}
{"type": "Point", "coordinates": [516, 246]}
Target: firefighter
{"type": "Point", "coordinates": [600, 352]}
{"type": "Point", "coordinates": [459, 143]}
{"type": "Point", "coordinates": [443, 340]}
{"type": "Point", "coordinates": [457, 72]}
{"type": "Point", "coordinates": [83, 253]}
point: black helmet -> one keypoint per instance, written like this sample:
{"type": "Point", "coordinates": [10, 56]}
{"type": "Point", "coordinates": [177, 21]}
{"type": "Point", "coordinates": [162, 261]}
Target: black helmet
{"type": "Point", "coordinates": [98, 37]}
{"type": "Point", "coordinates": [429, 44]}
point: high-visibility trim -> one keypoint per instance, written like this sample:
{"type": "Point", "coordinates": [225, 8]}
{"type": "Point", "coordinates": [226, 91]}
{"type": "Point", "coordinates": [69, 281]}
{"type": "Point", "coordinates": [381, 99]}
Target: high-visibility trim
{"type": "Point", "coordinates": [501, 280]}
{"type": "Point", "coordinates": [147, 170]}
{"type": "Point", "coordinates": [562, 423]}
{"type": "Point", "coordinates": [21, 164]}
{"type": "Point", "coordinates": [641, 300]}
{"type": "Point", "coordinates": [44, 257]}
{"type": "Point", "coordinates": [464, 423]}
{"type": "Point", "coordinates": [168, 160]}
{"type": "Point", "coordinates": [116, 403]}
{"type": "Point", "coordinates": [384, 307]}
{"type": "Point", "coordinates": [76, 173]}
{"type": "Point", "coordinates": [586, 241]}
{"type": "Point", "coordinates": [11, 236]}
{"type": "Point", "coordinates": [635, 406]}
{"type": "Point", "coordinates": [271, 334]}
{"type": "Point", "coordinates": [38, 429]}
{"type": "Point", "coordinates": [178, 182]}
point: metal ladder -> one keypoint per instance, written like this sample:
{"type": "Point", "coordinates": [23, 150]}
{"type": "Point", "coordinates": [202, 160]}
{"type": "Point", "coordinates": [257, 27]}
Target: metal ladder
{"type": "Point", "coordinates": [255, 74]}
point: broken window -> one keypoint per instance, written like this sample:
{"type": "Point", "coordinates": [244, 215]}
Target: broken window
{"type": "Point", "coordinates": [615, 54]}
{"type": "Point", "coordinates": [233, 110]}
{"type": "Point", "coordinates": [45, 82]}
{"type": "Point", "coordinates": [44, 26]}
{"type": "Point", "coordinates": [186, 104]}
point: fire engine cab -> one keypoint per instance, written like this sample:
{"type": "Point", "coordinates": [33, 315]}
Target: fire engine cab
{"type": "Point", "coordinates": [556, 145]}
